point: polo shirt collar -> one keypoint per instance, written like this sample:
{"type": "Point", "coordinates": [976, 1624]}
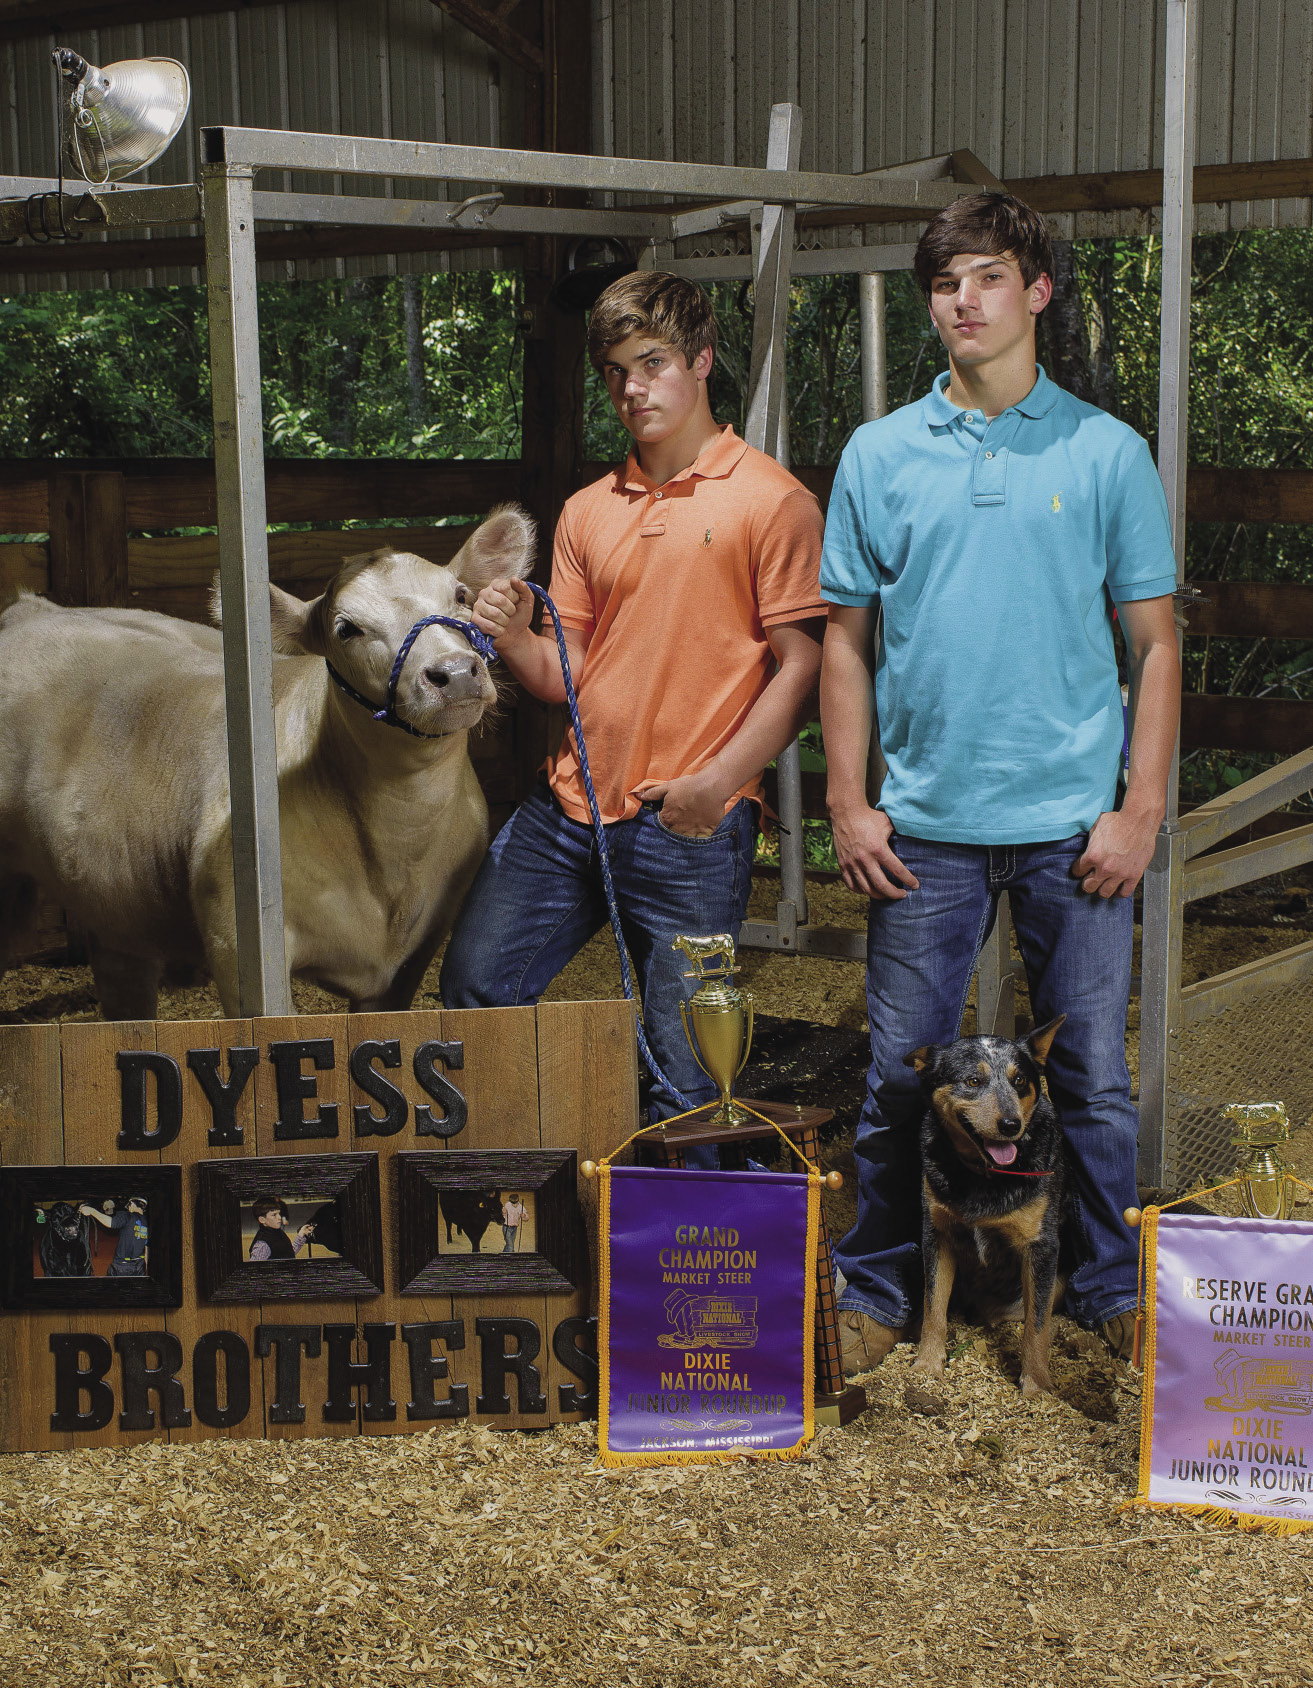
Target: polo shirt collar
{"type": "Point", "coordinates": [713, 464]}
{"type": "Point", "coordinates": [940, 410]}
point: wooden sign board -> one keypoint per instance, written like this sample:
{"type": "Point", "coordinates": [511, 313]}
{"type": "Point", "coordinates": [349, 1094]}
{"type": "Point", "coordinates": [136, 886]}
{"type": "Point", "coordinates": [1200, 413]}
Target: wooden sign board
{"type": "Point", "coordinates": [420, 1171]}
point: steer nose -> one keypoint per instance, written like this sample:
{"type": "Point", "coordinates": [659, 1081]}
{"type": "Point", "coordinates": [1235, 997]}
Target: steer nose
{"type": "Point", "coordinates": [456, 678]}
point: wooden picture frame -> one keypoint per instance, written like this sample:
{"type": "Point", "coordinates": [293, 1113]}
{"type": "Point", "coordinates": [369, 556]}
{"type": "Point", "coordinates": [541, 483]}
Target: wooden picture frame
{"type": "Point", "coordinates": [554, 1267]}
{"type": "Point", "coordinates": [67, 1278]}
{"type": "Point", "coordinates": [227, 1188]}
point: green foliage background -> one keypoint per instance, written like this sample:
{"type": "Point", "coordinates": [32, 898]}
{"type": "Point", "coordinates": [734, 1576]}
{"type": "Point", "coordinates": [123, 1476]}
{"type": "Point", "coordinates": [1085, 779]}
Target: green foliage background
{"type": "Point", "coordinates": [125, 374]}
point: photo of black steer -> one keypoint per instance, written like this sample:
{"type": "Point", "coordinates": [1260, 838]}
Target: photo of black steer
{"type": "Point", "coordinates": [65, 1248]}
{"type": "Point", "coordinates": [470, 1212]}
{"type": "Point", "coordinates": [991, 1190]}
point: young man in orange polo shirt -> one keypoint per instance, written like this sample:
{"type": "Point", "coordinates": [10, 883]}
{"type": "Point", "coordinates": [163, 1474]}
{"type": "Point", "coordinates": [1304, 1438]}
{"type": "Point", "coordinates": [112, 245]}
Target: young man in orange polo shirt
{"type": "Point", "coordinates": [688, 585]}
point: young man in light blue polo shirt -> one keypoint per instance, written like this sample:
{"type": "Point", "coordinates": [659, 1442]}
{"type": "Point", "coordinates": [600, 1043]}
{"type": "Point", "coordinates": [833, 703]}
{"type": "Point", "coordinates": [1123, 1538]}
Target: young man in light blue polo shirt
{"type": "Point", "coordinates": [995, 524]}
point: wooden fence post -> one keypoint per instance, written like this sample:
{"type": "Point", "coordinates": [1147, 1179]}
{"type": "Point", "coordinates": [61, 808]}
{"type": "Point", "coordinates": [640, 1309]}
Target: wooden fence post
{"type": "Point", "coordinates": [88, 538]}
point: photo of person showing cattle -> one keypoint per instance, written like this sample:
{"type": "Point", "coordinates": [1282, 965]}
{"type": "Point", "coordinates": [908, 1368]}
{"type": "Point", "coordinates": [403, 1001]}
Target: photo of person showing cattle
{"type": "Point", "coordinates": [278, 1230]}
{"type": "Point", "coordinates": [687, 582]}
{"type": "Point", "coordinates": [487, 1222]}
{"type": "Point", "coordinates": [103, 1239]}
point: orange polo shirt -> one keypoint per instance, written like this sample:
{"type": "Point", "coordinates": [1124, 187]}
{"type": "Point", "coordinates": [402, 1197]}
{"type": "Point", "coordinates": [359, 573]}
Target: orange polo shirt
{"type": "Point", "coordinates": [677, 585]}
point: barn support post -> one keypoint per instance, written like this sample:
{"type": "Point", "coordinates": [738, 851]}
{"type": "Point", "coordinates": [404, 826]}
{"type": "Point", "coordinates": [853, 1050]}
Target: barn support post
{"type": "Point", "coordinates": [552, 427]}
{"type": "Point", "coordinates": [767, 430]}
{"type": "Point", "coordinates": [873, 329]}
{"type": "Point", "coordinates": [1164, 883]}
{"type": "Point", "coordinates": [244, 587]}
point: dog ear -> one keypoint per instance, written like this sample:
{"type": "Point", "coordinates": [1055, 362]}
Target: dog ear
{"type": "Point", "coordinates": [923, 1057]}
{"type": "Point", "coordinates": [1040, 1041]}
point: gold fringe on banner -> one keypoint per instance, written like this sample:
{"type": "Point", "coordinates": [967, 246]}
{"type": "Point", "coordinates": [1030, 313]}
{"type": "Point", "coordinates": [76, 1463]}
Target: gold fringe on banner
{"type": "Point", "coordinates": [705, 1456]}
{"type": "Point", "coordinates": [1147, 1322]}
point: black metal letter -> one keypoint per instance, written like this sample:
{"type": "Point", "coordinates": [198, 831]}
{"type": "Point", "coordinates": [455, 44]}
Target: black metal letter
{"type": "Point", "coordinates": [426, 1366]}
{"type": "Point", "coordinates": [373, 1375]}
{"type": "Point", "coordinates": [139, 1379]}
{"type": "Point", "coordinates": [71, 1380]}
{"type": "Point", "coordinates": [395, 1106]}
{"type": "Point", "coordinates": [579, 1360]}
{"type": "Point", "coordinates": [285, 1342]}
{"type": "Point", "coordinates": [223, 1098]}
{"type": "Point", "coordinates": [294, 1086]}
{"type": "Point", "coordinates": [236, 1378]}
{"type": "Point", "coordinates": [455, 1113]}
{"type": "Point", "coordinates": [133, 1065]}
{"type": "Point", "coordinates": [495, 1362]}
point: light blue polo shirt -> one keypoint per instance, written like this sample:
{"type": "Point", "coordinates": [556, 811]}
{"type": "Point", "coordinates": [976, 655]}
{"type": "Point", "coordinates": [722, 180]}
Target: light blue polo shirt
{"type": "Point", "coordinates": [994, 550]}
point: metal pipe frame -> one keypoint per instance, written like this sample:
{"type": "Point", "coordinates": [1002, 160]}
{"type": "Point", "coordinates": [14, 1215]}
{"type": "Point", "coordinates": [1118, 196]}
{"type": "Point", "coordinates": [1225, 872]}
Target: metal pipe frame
{"type": "Point", "coordinates": [244, 590]}
{"type": "Point", "coordinates": [355, 155]}
{"type": "Point", "coordinates": [1164, 882]}
{"type": "Point", "coordinates": [766, 428]}
{"type": "Point", "coordinates": [232, 158]}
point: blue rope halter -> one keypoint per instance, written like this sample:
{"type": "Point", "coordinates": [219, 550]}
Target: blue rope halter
{"type": "Point", "coordinates": [487, 650]}
{"type": "Point", "coordinates": [388, 713]}
{"type": "Point", "coordinates": [603, 852]}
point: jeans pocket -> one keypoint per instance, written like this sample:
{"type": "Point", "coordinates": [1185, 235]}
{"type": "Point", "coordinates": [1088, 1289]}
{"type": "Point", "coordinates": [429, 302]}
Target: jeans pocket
{"type": "Point", "coordinates": [723, 831]}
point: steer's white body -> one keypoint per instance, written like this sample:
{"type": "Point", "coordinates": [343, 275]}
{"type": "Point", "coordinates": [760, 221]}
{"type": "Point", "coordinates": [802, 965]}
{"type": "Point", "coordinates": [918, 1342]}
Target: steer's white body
{"type": "Point", "coordinates": [114, 778]}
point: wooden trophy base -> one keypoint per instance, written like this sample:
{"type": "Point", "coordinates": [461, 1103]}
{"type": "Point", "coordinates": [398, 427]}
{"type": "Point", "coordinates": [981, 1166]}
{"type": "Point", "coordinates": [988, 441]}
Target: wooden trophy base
{"type": "Point", "coordinates": [837, 1402]}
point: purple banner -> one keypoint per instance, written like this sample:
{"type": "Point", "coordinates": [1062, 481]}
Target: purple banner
{"type": "Point", "coordinates": [1228, 1384]}
{"type": "Point", "coordinates": [707, 1308]}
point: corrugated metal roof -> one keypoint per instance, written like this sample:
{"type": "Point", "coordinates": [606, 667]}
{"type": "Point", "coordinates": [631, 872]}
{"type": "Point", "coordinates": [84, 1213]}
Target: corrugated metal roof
{"type": "Point", "coordinates": [1033, 87]}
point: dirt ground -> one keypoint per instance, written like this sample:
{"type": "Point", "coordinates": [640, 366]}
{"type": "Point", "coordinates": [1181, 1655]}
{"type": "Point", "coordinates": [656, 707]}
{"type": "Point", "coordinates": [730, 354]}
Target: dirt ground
{"type": "Point", "coordinates": [956, 1535]}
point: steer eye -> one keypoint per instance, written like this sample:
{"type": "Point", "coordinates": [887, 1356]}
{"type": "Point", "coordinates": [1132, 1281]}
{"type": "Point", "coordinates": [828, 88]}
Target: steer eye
{"type": "Point", "coordinates": [347, 629]}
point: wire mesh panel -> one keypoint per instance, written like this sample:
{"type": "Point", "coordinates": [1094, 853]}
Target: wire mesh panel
{"type": "Point", "coordinates": [1256, 1051]}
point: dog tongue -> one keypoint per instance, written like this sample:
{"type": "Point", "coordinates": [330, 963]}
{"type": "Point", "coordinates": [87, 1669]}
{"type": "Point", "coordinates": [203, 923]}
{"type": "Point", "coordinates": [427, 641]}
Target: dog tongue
{"type": "Point", "coordinates": [1002, 1154]}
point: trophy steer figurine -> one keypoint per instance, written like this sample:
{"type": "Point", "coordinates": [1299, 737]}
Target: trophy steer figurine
{"type": "Point", "coordinates": [717, 1020]}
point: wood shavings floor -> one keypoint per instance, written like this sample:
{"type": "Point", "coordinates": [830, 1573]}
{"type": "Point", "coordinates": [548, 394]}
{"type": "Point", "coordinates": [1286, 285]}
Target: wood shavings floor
{"type": "Point", "coordinates": [978, 1541]}
{"type": "Point", "coordinates": [982, 1546]}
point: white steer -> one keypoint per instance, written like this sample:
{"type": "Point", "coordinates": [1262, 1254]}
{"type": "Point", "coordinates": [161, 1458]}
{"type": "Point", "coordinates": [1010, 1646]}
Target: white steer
{"type": "Point", "coordinates": [114, 777]}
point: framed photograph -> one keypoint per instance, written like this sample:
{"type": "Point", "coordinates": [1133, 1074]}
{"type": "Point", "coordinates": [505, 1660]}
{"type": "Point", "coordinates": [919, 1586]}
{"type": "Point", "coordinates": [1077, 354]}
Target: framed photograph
{"type": "Point", "coordinates": [500, 1222]}
{"type": "Point", "coordinates": [289, 1228]}
{"type": "Point", "coordinates": [91, 1237]}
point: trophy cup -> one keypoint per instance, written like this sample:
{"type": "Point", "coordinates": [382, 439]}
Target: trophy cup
{"type": "Point", "coordinates": [1265, 1191]}
{"type": "Point", "coordinates": [717, 1020]}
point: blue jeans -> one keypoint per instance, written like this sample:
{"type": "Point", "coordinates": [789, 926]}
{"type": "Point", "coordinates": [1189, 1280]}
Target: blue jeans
{"type": "Point", "coordinates": [538, 899]}
{"type": "Point", "coordinates": [921, 950]}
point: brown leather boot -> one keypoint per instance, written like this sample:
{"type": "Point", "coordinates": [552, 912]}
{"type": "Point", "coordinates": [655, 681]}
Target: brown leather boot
{"type": "Point", "coordinates": [1119, 1334]}
{"type": "Point", "coordinates": [865, 1341]}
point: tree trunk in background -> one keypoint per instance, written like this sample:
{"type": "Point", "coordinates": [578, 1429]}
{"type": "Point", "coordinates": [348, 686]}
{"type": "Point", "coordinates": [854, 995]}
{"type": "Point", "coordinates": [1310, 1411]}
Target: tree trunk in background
{"type": "Point", "coordinates": [342, 396]}
{"type": "Point", "coordinates": [1103, 327]}
{"type": "Point", "coordinates": [1065, 332]}
{"type": "Point", "coordinates": [414, 307]}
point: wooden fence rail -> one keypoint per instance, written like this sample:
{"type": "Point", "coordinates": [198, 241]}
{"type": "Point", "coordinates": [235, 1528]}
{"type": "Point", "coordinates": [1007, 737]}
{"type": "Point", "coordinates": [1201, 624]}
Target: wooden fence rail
{"type": "Point", "coordinates": [103, 516]}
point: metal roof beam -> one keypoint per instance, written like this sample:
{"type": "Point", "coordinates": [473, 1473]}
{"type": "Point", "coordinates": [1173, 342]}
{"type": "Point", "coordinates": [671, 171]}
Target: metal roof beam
{"type": "Point", "coordinates": [26, 20]}
{"type": "Point", "coordinates": [351, 155]}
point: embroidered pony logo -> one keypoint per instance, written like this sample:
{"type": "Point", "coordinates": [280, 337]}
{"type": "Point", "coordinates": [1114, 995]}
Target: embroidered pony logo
{"type": "Point", "coordinates": [1057, 502]}
{"type": "Point", "coordinates": [706, 539]}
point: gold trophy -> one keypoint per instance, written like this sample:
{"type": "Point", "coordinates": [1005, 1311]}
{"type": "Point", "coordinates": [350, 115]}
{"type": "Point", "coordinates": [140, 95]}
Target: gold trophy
{"type": "Point", "coordinates": [1266, 1192]}
{"type": "Point", "coordinates": [717, 1020]}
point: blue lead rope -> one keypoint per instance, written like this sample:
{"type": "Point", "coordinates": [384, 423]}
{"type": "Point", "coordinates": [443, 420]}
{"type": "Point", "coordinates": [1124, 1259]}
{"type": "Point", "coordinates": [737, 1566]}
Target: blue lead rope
{"type": "Point", "coordinates": [387, 715]}
{"type": "Point", "coordinates": [603, 852]}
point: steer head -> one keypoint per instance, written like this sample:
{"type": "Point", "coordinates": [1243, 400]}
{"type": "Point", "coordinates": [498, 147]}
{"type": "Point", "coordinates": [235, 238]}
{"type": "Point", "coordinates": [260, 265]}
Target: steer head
{"type": "Point", "coordinates": [360, 623]}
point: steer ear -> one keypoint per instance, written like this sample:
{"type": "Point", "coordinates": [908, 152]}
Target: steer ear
{"type": "Point", "coordinates": [298, 627]}
{"type": "Point", "coordinates": [502, 545]}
